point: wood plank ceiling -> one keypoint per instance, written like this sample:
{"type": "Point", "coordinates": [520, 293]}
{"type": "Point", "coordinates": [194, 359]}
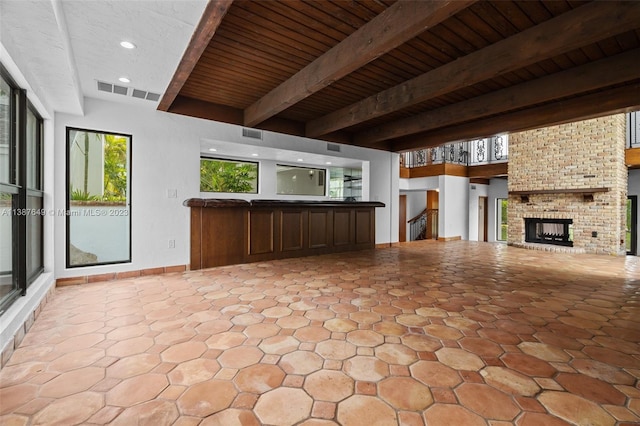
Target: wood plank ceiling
{"type": "Point", "coordinates": [401, 75]}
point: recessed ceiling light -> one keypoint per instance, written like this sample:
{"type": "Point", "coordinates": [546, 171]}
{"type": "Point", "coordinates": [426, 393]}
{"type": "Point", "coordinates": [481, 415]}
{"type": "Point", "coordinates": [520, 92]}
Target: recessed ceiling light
{"type": "Point", "coordinates": [124, 80]}
{"type": "Point", "coordinates": [300, 159]}
{"type": "Point", "coordinates": [328, 163]}
{"type": "Point", "coordinates": [212, 149]}
{"type": "Point", "coordinates": [254, 155]}
{"type": "Point", "coordinates": [127, 45]}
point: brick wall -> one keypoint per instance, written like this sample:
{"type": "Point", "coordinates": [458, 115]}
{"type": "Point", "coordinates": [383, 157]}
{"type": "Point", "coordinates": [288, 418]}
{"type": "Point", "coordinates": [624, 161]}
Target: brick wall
{"type": "Point", "coordinates": [585, 154]}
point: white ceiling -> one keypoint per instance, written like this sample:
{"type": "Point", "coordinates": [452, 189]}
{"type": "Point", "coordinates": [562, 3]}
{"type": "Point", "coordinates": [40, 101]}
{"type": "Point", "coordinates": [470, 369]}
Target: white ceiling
{"type": "Point", "coordinates": [67, 45]}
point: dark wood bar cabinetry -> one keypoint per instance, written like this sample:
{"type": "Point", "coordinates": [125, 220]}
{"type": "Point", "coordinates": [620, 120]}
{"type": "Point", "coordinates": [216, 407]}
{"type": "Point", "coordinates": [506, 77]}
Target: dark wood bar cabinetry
{"type": "Point", "coordinates": [226, 232]}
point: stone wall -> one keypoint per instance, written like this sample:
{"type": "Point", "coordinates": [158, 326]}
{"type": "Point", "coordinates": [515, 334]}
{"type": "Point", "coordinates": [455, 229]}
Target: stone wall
{"type": "Point", "coordinates": [570, 157]}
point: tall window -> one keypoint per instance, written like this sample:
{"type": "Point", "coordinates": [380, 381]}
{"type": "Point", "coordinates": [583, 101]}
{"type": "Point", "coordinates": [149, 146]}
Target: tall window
{"type": "Point", "coordinates": [217, 175]}
{"type": "Point", "coordinates": [98, 198]}
{"type": "Point", "coordinates": [501, 228]}
{"type": "Point", "coordinates": [21, 196]}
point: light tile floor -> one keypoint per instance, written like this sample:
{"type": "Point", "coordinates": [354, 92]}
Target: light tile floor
{"type": "Point", "coordinates": [456, 333]}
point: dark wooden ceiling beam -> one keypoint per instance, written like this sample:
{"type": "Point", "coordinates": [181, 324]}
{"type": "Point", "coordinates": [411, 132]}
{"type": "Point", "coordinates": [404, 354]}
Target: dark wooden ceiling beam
{"type": "Point", "coordinates": [399, 23]}
{"type": "Point", "coordinates": [612, 101]}
{"type": "Point", "coordinates": [592, 76]}
{"type": "Point", "coordinates": [582, 26]}
{"type": "Point", "coordinates": [211, 18]}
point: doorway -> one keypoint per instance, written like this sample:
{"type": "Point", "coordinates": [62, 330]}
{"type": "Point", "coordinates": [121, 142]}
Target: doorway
{"type": "Point", "coordinates": [402, 234]}
{"type": "Point", "coordinates": [98, 198]}
{"type": "Point", "coordinates": [483, 203]}
{"type": "Point", "coordinates": [631, 235]}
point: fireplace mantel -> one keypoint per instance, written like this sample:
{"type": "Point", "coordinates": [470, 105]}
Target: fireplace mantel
{"type": "Point", "coordinates": [560, 191]}
{"type": "Point", "coordinates": [587, 193]}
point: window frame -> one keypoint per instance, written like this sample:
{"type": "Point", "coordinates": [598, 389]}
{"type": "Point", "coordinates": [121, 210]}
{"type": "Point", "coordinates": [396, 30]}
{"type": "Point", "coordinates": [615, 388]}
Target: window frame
{"type": "Point", "coordinates": [319, 169]}
{"type": "Point", "coordinates": [237, 161]}
{"type": "Point", "coordinates": [17, 186]}
{"type": "Point", "coordinates": [129, 202]}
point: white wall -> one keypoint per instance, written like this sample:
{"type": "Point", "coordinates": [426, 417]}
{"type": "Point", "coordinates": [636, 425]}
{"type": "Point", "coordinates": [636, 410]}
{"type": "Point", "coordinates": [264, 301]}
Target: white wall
{"type": "Point", "coordinates": [166, 152]}
{"type": "Point", "coordinates": [453, 214]}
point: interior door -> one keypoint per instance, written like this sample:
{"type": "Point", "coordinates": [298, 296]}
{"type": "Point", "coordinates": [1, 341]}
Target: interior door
{"type": "Point", "coordinates": [482, 218]}
{"type": "Point", "coordinates": [402, 235]}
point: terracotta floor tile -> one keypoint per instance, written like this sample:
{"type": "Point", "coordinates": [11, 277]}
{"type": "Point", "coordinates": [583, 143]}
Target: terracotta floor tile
{"type": "Point", "coordinates": [590, 388]}
{"type": "Point", "coordinates": [328, 385]}
{"type": "Point", "coordinates": [193, 371]}
{"type": "Point", "coordinates": [367, 369]}
{"type": "Point", "coordinates": [396, 354]}
{"type": "Point", "coordinates": [15, 396]}
{"type": "Point", "coordinates": [459, 359]}
{"type": "Point", "coordinates": [283, 406]}
{"type": "Point", "coordinates": [487, 401]}
{"type": "Point", "coordinates": [259, 378]}
{"type": "Point", "coordinates": [133, 366]}
{"type": "Point", "coordinates": [72, 382]}
{"type": "Point", "coordinates": [405, 393]}
{"type": "Point", "coordinates": [528, 365]}
{"type": "Point", "coordinates": [365, 338]}
{"type": "Point", "coordinates": [362, 409]}
{"type": "Point", "coordinates": [472, 333]}
{"type": "Point", "coordinates": [73, 409]}
{"type": "Point", "coordinates": [575, 409]}
{"type": "Point", "coordinates": [136, 390]}
{"type": "Point", "coordinates": [206, 398]}
{"type": "Point", "coordinates": [232, 417]}
{"type": "Point", "coordinates": [300, 362]}
{"type": "Point", "coordinates": [183, 352]}
{"type": "Point", "coordinates": [152, 413]}
{"type": "Point", "coordinates": [449, 414]}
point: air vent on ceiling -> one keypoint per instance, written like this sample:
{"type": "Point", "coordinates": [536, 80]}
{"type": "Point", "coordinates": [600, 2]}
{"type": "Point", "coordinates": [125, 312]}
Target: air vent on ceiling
{"type": "Point", "coordinates": [333, 147]}
{"type": "Point", "coordinates": [112, 88]}
{"type": "Point", "coordinates": [252, 133]}
{"type": "Point", "coordinates": [141, 94]}
{"type": "Point", "coordinates": [123, 90]}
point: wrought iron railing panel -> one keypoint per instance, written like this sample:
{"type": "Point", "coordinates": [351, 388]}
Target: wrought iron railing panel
{"type": "Point", "coordinates": [480, 151]}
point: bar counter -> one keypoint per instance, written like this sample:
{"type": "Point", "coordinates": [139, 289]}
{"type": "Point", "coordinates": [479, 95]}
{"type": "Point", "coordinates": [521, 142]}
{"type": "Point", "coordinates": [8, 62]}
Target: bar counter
{"type": "Point", "coordinates": [230, 231]}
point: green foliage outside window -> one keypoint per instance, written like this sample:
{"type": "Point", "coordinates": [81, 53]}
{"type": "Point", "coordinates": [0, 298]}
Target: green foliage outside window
{"type": "Point", "coordinates": [115, 168]}
{"type": "Point", "coordinates": [502, 222]}
{"type": "Point", "coordinates": [228, 176]}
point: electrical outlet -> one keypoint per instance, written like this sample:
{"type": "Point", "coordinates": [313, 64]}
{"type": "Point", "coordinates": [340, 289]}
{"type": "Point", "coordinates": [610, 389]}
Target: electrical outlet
{"type": "Point", "coordinates": [172, 243]}
{"type": "Point", "coordinates": [172, 193]}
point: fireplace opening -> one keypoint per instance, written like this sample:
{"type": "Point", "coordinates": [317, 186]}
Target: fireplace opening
{"type": "Point", "coordinates": [549, 231]}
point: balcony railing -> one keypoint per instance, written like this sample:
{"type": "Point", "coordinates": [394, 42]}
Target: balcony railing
{"type": "Point", "coordinates": [470, 153]}
{"type": "Point", "coordinates": [490, 150]}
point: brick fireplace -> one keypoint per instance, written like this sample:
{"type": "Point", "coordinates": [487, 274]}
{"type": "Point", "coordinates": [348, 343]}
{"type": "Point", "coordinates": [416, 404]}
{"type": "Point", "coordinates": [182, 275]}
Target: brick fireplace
{"type": "Point", "coordinates": [573, 173]}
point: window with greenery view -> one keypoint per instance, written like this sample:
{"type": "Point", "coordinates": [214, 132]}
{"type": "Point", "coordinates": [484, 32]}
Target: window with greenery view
{"type": "Point", "coordinates": [98, 198]}
{"type": "Point", "coordinates": [501, 231]}
{"type": "Point", "coordinates": [217, 175]}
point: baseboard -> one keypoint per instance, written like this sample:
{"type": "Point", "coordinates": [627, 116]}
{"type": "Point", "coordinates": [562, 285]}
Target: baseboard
{"type": "Point", "coordinates": [456, 238]}
{"type": "Point", "coordinates": [387, 245]}
{"type": "Point", "coordinates": [86, 279]}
